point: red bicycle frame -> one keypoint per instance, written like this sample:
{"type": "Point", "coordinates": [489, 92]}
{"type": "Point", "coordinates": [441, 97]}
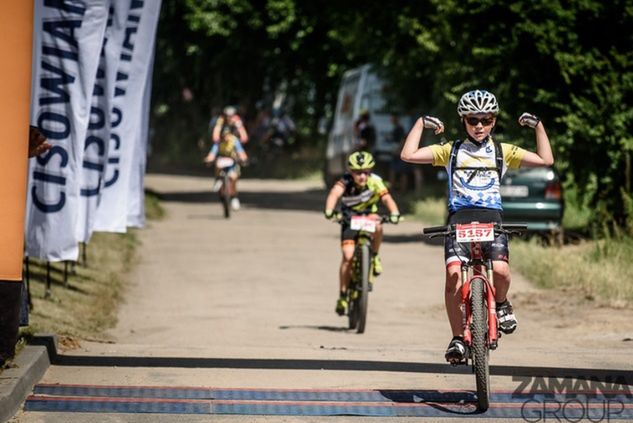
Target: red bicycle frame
{"type": "Point", "coordinates": [478, 264]}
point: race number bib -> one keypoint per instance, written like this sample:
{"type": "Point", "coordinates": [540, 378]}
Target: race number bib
{"type": "Point", "coordinates": [363, 223]}
{"type": "Point", "coordinates": [224, 162]}
{"type": "Point", "coordinates": [475, 232]}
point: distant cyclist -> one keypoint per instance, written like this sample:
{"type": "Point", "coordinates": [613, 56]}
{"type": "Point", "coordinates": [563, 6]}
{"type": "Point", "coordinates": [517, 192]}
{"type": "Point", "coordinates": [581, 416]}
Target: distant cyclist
{"type": "Point", "coordinates": [359, 192]}
{"type": "Point", "coordinates": [231, 147]}
{"type": "Point", "coordinates": [231, 121]}
{"type": "Point", "coordinates": [475, 166]}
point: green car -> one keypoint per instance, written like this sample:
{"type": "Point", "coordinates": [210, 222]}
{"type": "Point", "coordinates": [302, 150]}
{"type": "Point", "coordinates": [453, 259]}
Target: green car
{"type": "Point", "coordinates": [534, 196]}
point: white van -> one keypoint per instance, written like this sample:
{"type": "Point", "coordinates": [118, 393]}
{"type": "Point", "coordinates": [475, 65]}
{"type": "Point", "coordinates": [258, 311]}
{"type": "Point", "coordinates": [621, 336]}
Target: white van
{"type": "Point", "coordinates": [361, 89]}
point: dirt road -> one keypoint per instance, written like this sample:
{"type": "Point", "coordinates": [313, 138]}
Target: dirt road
{"type": "Point", "coordinates": [249, 303]}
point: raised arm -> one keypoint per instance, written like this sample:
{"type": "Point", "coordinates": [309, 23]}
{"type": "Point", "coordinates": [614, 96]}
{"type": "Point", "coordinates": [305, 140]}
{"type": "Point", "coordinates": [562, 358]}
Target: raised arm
{"type": "Point", "coordinates": [543, 155]}
{"type": "Point", "coordinates": [215, 136]}
{"type": "Point", "coordinates": [241, 131]}
{"type": "Point", "coordinates": [411, 151]}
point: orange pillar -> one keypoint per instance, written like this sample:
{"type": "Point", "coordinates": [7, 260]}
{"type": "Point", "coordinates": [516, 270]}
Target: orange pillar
{"type": "Point", "coordinates": [16, 39]}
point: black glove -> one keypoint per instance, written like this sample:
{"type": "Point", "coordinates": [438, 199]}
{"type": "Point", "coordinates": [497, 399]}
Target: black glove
{"type": "Point", "coordinates": [331, 214]}
{"type": "Point", "coordinates": [394, 218]}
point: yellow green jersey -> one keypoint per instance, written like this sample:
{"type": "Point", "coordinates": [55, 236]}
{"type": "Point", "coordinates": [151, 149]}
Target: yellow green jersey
{"type": "Point", "coordinates": [362, 199]}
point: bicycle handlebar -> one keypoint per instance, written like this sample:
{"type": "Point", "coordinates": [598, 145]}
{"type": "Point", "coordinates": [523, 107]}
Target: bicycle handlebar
{"type": "Point", "coordinates": [384, 218]}
{"type": "Point", "coordinates": [500, 228]}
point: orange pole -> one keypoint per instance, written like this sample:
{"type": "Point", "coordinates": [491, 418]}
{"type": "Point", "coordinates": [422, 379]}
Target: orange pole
{"type": "Point", "coordinates": [16, 44]}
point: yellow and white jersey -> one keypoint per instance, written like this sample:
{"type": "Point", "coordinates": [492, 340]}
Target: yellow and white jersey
{"type": "Point", "coordinates": [474, 180]}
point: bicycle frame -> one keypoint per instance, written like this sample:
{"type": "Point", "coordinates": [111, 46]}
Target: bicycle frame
{"type": "Point", "coordinates": [480, 329]}
{"type": "Point", "coordinates": [483, 270]}
{"type": "Point", "coordinates": [223, 166]}
{"type": "Point", "coordinates": [362, 272]}
{"type": "Point", "coordinates": [363, 238]}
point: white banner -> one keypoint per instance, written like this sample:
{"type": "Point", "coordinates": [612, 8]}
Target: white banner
{"type": "Point", "coordinates": [68, 35]}
{"type": "Point", "coordinates": [127, 117]}
{"type": "Point", "coordinates": [99, 137]}
{"type": "Point", "coordinates": [136, 200]}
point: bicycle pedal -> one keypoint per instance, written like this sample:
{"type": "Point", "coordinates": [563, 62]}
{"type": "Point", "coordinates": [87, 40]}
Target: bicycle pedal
{"type": "Point", "coordinates": [457, 362]}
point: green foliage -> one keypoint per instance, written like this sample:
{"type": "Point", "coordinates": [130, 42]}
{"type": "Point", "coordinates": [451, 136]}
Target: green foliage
{"type": "Point", "coordinates": [627, 199]}
{"type": "Point", "coordinates": [578, 206]}
{"type": "Point", "coordinates": [570, 63]}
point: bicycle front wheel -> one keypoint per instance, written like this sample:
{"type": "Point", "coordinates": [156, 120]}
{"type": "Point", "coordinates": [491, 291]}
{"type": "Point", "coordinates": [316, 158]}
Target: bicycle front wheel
{"type": "Point", "coordinates": [226, 198]}
{"type": "Point", "coordinates": [353, 290]}
{"type": "Point", "coordinates": [352, 313]}
{"type": "Point", "coordinates": [480, 347]}
{"type": "Point", "coordinates": [363, 287]}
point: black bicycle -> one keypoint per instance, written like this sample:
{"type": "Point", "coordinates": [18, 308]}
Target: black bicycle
{"type": "Point", "coordinates": [224, 165]}
{"type": "Point", "coordinates": [362, 279]}
{"type": "Point", "coordinates": [478, 306]}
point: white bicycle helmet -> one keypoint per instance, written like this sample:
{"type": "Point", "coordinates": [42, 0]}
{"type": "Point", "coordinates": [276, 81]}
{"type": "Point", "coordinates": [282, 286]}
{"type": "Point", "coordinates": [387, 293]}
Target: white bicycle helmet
{"type": "Point", "coordinates": [229, 111]}
{"type": "Point", "coordinates": [477, 101]}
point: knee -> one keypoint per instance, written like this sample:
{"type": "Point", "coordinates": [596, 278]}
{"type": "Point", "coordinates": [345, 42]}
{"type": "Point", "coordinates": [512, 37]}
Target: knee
{"type": "Point", "coordinates": [501, 271]}
{"type": "Point", "coordinates": [347, 257]}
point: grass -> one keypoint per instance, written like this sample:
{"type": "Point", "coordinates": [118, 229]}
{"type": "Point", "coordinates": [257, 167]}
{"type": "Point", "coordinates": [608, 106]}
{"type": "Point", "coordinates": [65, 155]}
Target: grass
{"type": "Point", "coordinates": [427, 205]}
{"type": "Point", "coordinates": [595, 269]}
{"type": "Point", "coordinates": [86, 305]}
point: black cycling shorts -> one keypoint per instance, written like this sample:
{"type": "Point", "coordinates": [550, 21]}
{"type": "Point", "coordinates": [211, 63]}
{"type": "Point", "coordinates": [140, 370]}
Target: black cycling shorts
{"type": "Point", "coordinates": [348, 235]}
{"type": "Point", "coordinates": [456, 252]}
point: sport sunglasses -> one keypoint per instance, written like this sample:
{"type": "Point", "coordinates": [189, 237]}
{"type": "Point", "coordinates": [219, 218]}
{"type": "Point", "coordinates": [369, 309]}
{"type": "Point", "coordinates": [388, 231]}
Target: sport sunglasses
{"type": "Point", "coordinates": [361, 172]}
{"type": "Point", "coordinates": [473, 121]}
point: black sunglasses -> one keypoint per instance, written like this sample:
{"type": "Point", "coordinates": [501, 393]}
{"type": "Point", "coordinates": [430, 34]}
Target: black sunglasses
{"type": "Point", "coordinates": [473, 121]}
{"type": "Point", "coordinates": [361, 172]}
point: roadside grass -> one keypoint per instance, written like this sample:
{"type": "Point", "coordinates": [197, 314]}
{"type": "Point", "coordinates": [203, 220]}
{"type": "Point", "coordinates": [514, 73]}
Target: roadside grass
{"type": "Point", "coordinates": [85, 307]}
{"type": "Point", "coordinates": [428, 205]}
{"type": "Point", "coordinates": [596, 269]}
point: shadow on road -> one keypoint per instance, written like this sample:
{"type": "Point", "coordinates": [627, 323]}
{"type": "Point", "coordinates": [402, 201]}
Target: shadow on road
{"type": "Point", "coordinates": [621, 376]}
{"type": "Point", "coordinates": [415, 237]}
{"type": "Point", "coordinates": [325, 328]}
{"type": "Point", "coordinates": [310, 200]}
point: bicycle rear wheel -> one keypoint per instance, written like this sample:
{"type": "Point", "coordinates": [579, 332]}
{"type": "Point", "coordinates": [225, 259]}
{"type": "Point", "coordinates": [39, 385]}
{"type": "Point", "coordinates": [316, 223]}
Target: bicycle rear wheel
{"type": "Point", "coordinates": [363, 288]}
{"type": "Point", "coordinates": [226, 198]}
{"type": "Point", "coordinates": [480, 347]}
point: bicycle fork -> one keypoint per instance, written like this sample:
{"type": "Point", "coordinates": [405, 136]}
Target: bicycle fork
{"type": "Point", "coordinates": [489, 293]}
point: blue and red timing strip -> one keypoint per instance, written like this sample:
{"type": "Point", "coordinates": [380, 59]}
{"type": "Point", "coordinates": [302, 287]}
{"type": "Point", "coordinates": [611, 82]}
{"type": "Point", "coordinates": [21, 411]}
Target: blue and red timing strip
{"type": "Point", "coordinates": [317, 402]}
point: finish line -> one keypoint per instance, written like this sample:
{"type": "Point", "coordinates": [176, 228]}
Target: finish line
{"type": "Point", "coordinates": [320, 402]}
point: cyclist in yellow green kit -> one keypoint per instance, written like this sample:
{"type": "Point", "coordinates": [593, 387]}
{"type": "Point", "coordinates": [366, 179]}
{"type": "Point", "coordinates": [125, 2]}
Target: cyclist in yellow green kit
{"type": "Point", "coordinates": [359, 191]}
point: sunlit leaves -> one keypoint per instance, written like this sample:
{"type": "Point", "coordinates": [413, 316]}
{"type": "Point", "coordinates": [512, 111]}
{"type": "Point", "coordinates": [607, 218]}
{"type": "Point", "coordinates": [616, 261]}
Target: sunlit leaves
{"type": "Point", "coordinates": [282, 15]}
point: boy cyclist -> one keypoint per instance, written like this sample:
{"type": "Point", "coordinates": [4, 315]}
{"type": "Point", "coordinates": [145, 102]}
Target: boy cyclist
{"type": "Point", "coordinates": [229, 146]}
{"type": "Point", "coordinates": [475, 167]}
{"type": "Point", "coordinates": [359, 191]}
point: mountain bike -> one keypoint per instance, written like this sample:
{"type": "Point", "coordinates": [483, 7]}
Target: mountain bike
{"type": "Point", "coordinates": [479, 314]}
{"type": "Point", "coordinates": [362, 268]}
{"type": "Point", "coordinates": [224, 165]}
